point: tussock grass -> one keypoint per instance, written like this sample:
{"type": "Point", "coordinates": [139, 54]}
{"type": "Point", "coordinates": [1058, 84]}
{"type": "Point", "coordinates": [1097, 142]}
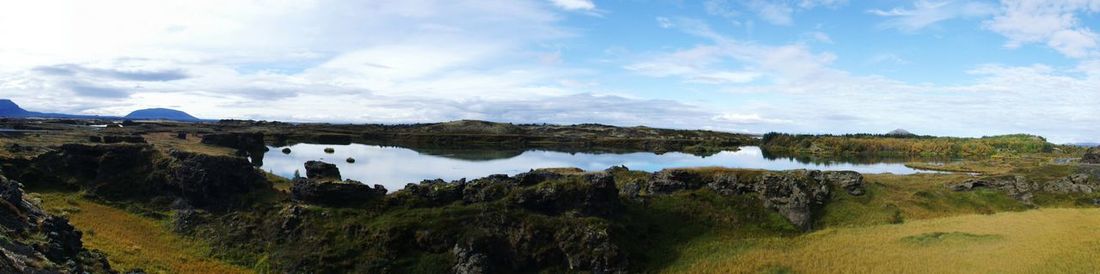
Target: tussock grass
{"type": "Point", "coordinates": [131, 241]}
{"type": "Point", "coordinates": [1035, 241]}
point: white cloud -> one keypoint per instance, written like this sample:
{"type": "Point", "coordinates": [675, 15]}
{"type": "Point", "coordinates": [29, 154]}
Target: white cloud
{"type": "Point", "coordinates": [773, 12]}
{"type": "Point", "coordinates": [1054, 23]}
{"type": "Point", "coordinates": [575, 4]}
{"type": "Point", "coordinates": [233, 52]}
{"type": "Point", "coordinates": [731, 61]}
{"type": "Point", "coordinates": [815, 97]}
{"type": "Point", "coordinates": [749, 119]}
{"type": "Point", "coordinates": [664, 23]}
{"type": "Point", "coordinates": [776, 12]}
{"type": "Point", "coordinates": [819, 37]}
{"type": "Point", "coordinates": [886, 59]}
{"type": "Point", "coordinates": [925, 13]}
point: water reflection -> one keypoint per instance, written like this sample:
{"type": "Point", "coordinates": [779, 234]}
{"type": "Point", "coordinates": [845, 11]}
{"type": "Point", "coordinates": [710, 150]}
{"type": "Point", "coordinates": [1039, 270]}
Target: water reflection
{"type": "Point", "coordinates": [394, 167]}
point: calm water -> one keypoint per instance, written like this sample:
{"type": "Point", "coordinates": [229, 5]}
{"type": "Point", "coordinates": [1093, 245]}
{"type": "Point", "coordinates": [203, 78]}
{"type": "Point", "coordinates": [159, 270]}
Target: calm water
{"type": "Point", "coordinates": [394, 167]}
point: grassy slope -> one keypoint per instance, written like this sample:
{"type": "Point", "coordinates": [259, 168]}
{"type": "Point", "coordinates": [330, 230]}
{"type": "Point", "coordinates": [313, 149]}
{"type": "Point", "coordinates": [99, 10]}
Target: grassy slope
{"type": "Point", "coordinates": [908, 217]}
{"type": "Point", "coordinates": [1044, 240]}
{"type": "Point", "coordinates": [131, 241]}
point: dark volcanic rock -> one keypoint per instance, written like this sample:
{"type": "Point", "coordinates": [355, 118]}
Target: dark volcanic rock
{"type": "Point", "coordinates": [1076, 183]}
{"type": "Point", "coordinates": [242, 141]}
{"type": "Point", "coordinates": [322, 185]}
{"type": "Point", "coordinates": [111, 171]}
{"type": "Point", "coordinates": [36, 242]}
{"type": "Point", "coordinates": [430, 193]}
{"type": "Point", "coordinates": [138, 172]}
{"type": "Point", "coordinates": [214, 181]}
{"type": "Point", "coordinates": [795, 194]}
{"type": "Point", "coordinates": [1016, 186]}
{"type": "Point", "coordinates": [850, 181]}
{"type": "Point", "coordinates": [1092, 156]}
{"type": "Point", "coordinates": [727, 184]}
{"type": "Point", "coordinates": [509, 245]}
{"type": "Point", "coordinates": [1023, 189]}
{"type": "Point", "coordinates": [318, 170]}
{"type": "Point", "coordinates": [672, 180]}
{"type": "Point", "coordinates": [469, 261]}
{"type": "Point", "coordinates": [593, 194]}
{"type": "Point", "coordinates": [335, 193]}
{"type": "Point", "coordinates": [536, 176]}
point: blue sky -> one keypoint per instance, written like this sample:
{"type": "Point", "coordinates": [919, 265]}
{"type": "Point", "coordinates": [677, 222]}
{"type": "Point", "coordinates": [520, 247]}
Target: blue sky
{"type": "Point", "coordinates": [962, 68]}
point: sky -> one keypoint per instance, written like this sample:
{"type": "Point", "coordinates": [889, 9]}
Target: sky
{"type": "Point", "coordinates": [958, 68]}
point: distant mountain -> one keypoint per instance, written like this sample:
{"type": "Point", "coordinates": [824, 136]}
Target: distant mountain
{"type": "Point", "coordinates": [160, 114]}
{"type": "Point", "coordinates": [10, 109]}
{"type": "Point", "coordinates": [900, 132]}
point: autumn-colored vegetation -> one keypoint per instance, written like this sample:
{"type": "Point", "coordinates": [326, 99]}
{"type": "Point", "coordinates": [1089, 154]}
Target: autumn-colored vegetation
{"type": "Point", "coordinates": [923, 146]}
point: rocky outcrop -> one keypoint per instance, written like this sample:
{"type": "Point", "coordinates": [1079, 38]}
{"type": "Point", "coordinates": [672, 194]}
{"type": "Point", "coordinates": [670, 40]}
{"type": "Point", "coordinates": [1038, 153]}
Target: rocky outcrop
{"type": "Point", "coordinates": [1092, 156]}
{"type": "Point", "coordinates": [795, 194]}
{"type": "Point", "coordinates": [215, 182]}
{"type": "Point", "coordinates": [139, 172]}
{"type": "Point", "coordinates": [239, 140]}
{"type": "Point", "coordinates": [322, 186]}
{"type": "Point", "coordinates": [591, 194]}
{"type": "Point", "coordinates": [249, 145]}
{"type": "Point", "coordinates": [850, 181]}
{"type": "Point", "coordinates": [672, 180]}
{"type": "Point", "coordinates": [318, 170]}
{"type": "Point", "coordinates": [508, 245]}
{"type": "Point", "coordinates": [118, 171]}
{"type": "Point", "coordinates": [1076, 183]}
{"type": "Point", "coordinates": [336, 193]}
{"type": "Point", "coordinates": [1023, 189]}
{"type": "Point", "coordinates": [36, 242]}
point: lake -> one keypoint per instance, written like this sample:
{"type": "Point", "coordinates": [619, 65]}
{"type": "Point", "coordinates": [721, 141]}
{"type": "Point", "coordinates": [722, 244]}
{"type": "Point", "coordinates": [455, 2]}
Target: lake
{"type": "Point", "coordinates": [394, 167]}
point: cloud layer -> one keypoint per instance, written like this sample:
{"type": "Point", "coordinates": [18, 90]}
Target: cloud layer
{"type": "Point", "coordinates": [687, 65]}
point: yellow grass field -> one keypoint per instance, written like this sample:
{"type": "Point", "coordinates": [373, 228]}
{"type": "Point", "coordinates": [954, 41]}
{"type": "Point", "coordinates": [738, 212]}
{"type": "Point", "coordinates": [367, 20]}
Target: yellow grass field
{"type": "Point", "coordinates": [1035, 241]}
{"type": "Point", "coordinates": [131, 241]}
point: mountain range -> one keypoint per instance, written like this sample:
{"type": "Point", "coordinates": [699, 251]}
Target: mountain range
{"type": "Point", "coordinates": [8, 108]}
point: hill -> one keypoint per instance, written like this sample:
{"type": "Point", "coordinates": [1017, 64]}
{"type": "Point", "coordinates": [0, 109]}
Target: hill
{"type": "Point", "coordinates": [900, 132]}
{"type": "Point", "coordinates": [160, 114]}
{"type": "Point", "coordinates": [10, 109]}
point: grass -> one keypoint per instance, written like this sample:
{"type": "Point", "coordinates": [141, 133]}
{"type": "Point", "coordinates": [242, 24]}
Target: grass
{"type": "Point", "coordinates": [132, 241]}
{"type": "Point", "coordinates": [193, 143]}
{"type": "Point", "coordinates": [1035, 241]}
